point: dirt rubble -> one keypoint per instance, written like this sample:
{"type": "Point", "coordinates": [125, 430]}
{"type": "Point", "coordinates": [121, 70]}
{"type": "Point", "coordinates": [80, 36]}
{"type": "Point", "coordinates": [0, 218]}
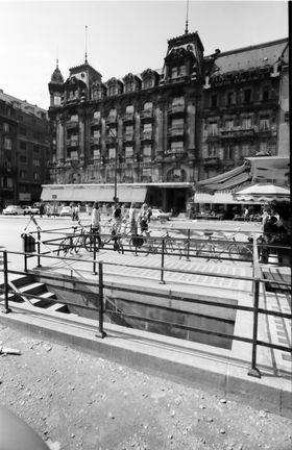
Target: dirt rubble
{"type": "Point", "coordinates": [76, 401]}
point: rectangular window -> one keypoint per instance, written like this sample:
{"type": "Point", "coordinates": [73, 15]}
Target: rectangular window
{"type": "Point", "coordinates": [178, 101]}
{"type": "Point", "coordinates": [23, 159]}
{"type": "Point", "coordinates": [213, 151]}
{"type": "Point", "coordinates": [147, 151]}
{"type": "Point", "coordinates": [96, 154]}
{"type": "Point", "coordinates": [36, 162]}
{"type": "Point", "coordinates": [213, 129]}
{"type": "Point", "coordinates": [182, 71]}
{"type": "Point", "coordinates": [229, 124]}
{"type": "Point", "coordinates": [177, 123]}
{"type": "Point", "coordinates": [230, 98]}
{"type": "Point", "coordinates": [36, 176]}
{"type": "Point", "coordinates": [264, 124]}
{"type": "Point", "coordinates": [22, 173]}
{"type": "Point", "coordinates": [227, 153]}
{"type": "Point", "coordinates": [177, 147]}
{"type": "Point", "coordinates": [6, 127]}
{"type": "Point", "coordinates": [112, 153]}
{"type": "Point", "coordinates": [266, 94]}
{"type": "Point", "coordinates": [214, 101]}
{"type": "Point", "coordinates": [7, 143]}
{"type": "Point", "coordinates": [245, 150]}
{"type": "Point", "coordinates": [174, 72]}
{"type": "Point", "coordinates": [22, 131]}
{"type": "Point", "coordinates": [247, 96]}
{"type": "Point", "coordinates": [246, 123]}
{"type": "Point", "coordinates": [147, 128]}
{"type": "Point", "coordinates": [129, 152]}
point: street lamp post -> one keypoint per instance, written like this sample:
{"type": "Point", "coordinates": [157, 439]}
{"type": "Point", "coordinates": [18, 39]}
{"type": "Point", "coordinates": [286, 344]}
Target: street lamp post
{"type": "Point", "coordinates": [115, 137]}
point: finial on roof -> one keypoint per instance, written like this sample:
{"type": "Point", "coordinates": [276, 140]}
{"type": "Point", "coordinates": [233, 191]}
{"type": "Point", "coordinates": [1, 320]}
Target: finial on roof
{"type": "Point", "coordinates": [187, 19]}
{"type": "Point", "coordinates": [57, 63]}
{"type": "Point", "coordinates": [86, 60]}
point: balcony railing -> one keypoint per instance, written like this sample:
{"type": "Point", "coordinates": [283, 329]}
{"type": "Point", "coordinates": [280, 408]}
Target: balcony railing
{"type": "Point", "coordinates": [129, 137]}
{"type": "Point", "coordinates": [175, 151]}
{"type": "Point", "coordinates": [176, 131]}
{"type": "Point", "coordinates": [129, 117]}
{"type": "Point", "coordinates": [74, 156]}
{"type": "Point", "coordinates": [147, 114]}
{"type": "Point", "coordinates": [147, 136]}
{"type": "Point", "coordinates": [72, 124]}
{"type": "Point", "coordinates": [95, 140]}
{"type": "Point", "coordinates": [72, 142]}
{"type": "Point", "coordinates": [96, 121]}
{"type": "Point", "coordinates": [111, 120]}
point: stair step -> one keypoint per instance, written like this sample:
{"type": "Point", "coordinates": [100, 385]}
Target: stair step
{"type": "Point", "coordinates": [10, 296]}
{"type": "Point", "coordinates": [32, 288]}
{"type": "Point", "coordinates": [48, 295]}
{"type": "Point", "coordinates": [56, 307]}
{"type": "Point", "coordinates": [22, 280]}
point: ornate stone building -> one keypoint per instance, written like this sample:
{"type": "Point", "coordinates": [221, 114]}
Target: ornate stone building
{"type": "Point", "coordinates": [245, 106]}
{"type": "Point", "coordinates": [196, 117]}
{"type": "Point", "coordinates": [24, 150]}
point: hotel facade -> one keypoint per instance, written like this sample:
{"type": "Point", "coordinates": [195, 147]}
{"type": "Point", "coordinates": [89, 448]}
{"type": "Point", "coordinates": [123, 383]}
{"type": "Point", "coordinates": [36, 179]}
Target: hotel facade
{"type": "Point", "coordinates": [165, 130]}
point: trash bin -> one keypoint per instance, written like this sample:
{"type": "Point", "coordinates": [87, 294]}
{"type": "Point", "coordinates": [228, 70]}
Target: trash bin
{"type": "Point", "coordinates": [28, 243]}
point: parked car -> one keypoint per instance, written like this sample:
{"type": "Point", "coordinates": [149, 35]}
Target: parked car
{"type": "Point", "coordinates": [66, 211]}
{"type": "Point", "coordinates": [157, 214]}
{"type": "Point", "coordinates": [13, 210]}
{"type": "Point", "coordinates": [31, 210]}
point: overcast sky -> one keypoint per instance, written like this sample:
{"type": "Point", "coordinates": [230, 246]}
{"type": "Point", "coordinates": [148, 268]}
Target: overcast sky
{"type": "Point", "coordinates": [123, 36]}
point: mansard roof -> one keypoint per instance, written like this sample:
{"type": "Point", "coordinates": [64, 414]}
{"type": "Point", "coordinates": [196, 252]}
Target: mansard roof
{"type": "Point", "coordinates": [248, 58]}
{"type": "Point", "coordinates": [84, 67]}
{"type": "Point", "coordinates": [186, 39]}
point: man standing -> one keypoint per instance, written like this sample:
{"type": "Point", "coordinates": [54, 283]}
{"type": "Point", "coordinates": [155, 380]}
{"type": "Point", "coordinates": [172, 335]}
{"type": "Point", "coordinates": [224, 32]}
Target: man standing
{"type": "Point", "coordinates": [95, 222]}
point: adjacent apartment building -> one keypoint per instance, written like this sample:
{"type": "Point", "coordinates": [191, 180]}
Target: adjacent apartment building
{"type": "Point", "coordinates": [24, 150]}
{"type": "Point", "coordinates": [197, 116]}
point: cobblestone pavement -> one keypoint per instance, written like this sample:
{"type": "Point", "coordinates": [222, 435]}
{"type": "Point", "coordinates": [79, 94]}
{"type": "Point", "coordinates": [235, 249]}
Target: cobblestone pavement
{"type": "Point", "coordinates": [80, 401]}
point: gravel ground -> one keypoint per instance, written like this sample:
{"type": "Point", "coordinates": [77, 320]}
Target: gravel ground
{"type": "Point", "coordinates": [78, 401]}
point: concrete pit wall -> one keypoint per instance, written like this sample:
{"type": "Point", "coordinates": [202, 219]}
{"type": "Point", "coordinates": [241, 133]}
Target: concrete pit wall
{"type": "Point", "coordinates": [156, 304]}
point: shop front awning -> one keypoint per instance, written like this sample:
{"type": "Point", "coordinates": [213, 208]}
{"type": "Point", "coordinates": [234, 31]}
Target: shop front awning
{"type": "Point", "coordinates": [226, 180]}
{"type": "Point", "coordinates": [93, 192]}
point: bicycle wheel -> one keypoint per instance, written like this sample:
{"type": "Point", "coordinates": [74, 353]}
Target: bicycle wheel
{"type": "Point", "coordinates": [76, 244]}
{"type": "Point", "coordinates": [65, 246]}
{"type": "Point", "coordinates": [89, 243]}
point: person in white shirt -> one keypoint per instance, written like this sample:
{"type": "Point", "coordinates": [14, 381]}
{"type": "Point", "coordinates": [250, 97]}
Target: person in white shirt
{"type": "Point", "coordinates": [95, 222]}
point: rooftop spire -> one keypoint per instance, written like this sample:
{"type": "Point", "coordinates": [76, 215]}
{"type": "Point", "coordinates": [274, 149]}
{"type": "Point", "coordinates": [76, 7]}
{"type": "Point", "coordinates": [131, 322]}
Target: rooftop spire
{"type": "Point", "coordinates": [187, 18]}
{"type": "Point", "coordinates": [86, 60]}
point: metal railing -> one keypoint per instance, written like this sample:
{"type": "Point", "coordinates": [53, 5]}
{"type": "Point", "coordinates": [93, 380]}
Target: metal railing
{"type": "Point", "coordinates": [257, 280]}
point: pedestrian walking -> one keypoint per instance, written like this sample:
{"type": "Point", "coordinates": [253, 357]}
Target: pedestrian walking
{"type": "Point", "coordinates": [133, 213]}
{"type": "Point", "coordinates": [143, 218]}
{"type": "Point", "coordinates": [95, 222]}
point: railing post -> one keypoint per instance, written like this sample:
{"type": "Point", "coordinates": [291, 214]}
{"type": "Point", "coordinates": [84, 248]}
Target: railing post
{"type": "Point", "coordinates": [162, 262]}
{"type": "Point", "coordinates": [39, 248]}
{"type": "Point", "coordinates": [25, 262]}
{"type": "Point", "coordinates": [254, 371]}
{"type": "Point", "coordinates": [102, 333]}
{"type": "Point", "coordinates": [94, 253]}
{"type": "Point", "coordinates": [6, 286]}
{"type": "Point", "coordinates": [188, 244]}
